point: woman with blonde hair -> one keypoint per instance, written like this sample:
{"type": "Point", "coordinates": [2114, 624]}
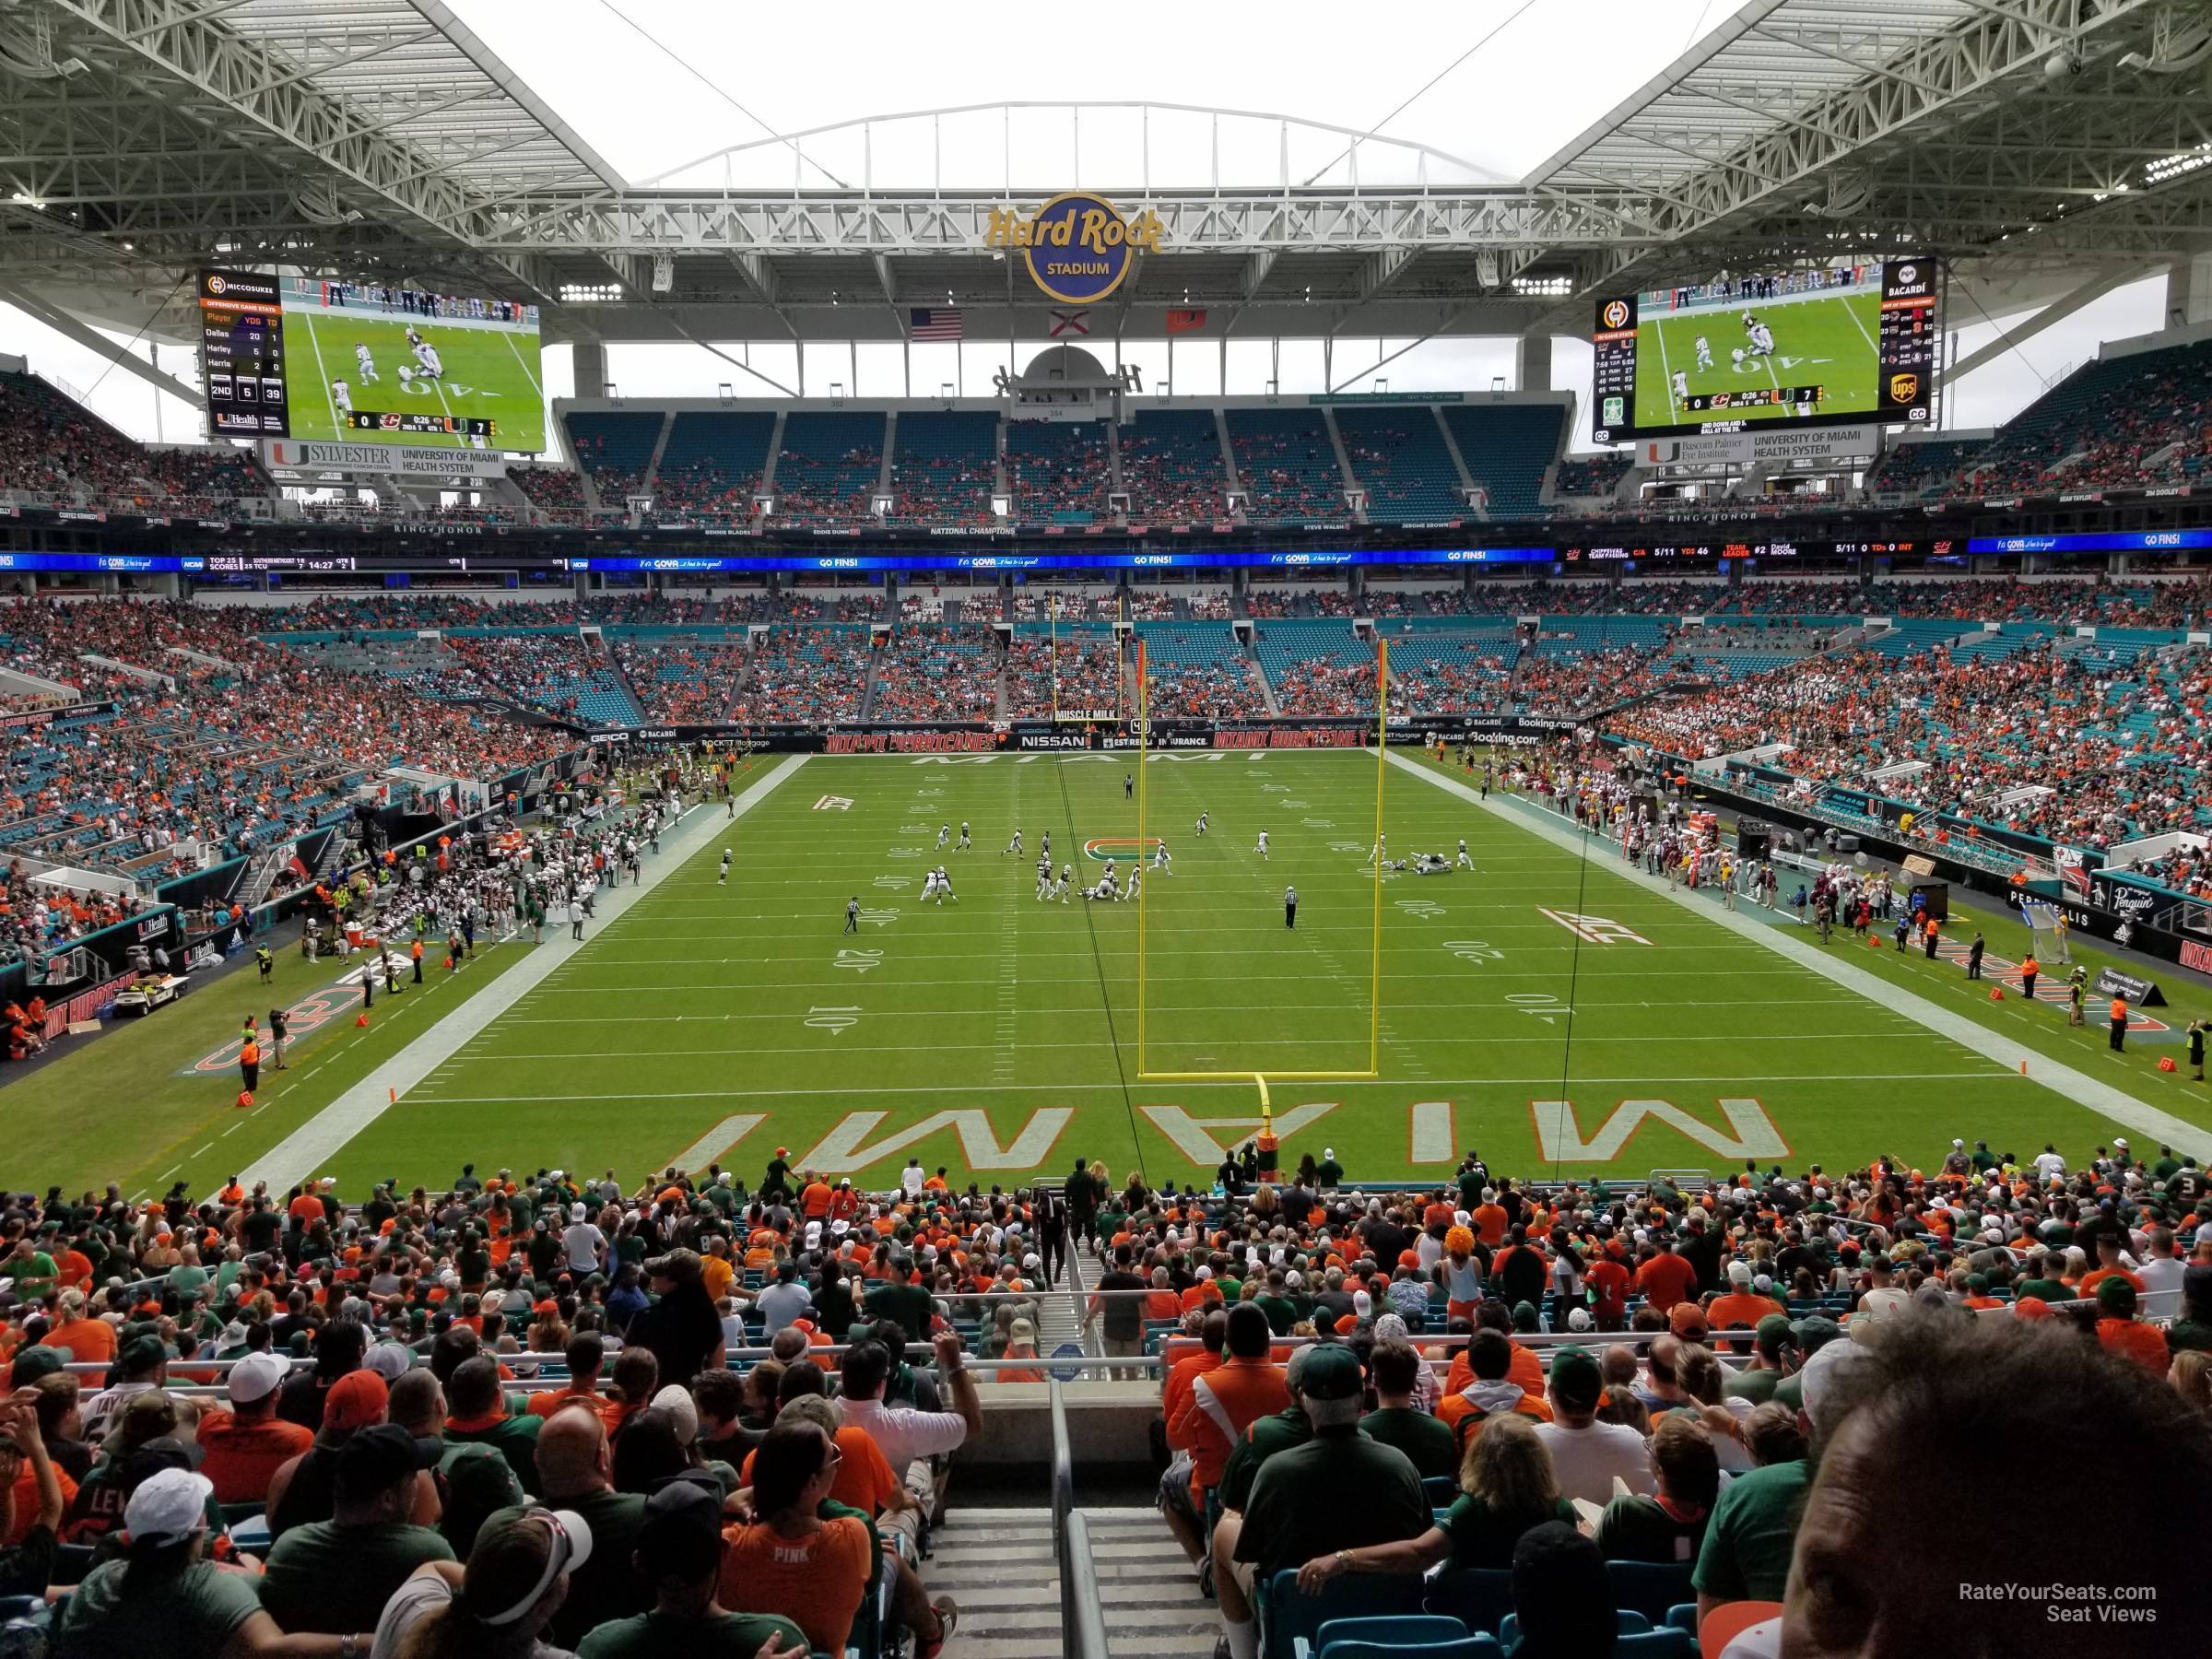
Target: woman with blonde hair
{"type": "Point", "coordinates": [2191, 1375]}
{"type": "Point", "coordinates": [1506, 1488]}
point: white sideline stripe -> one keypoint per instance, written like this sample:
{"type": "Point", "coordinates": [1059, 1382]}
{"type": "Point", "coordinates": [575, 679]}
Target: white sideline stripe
{"type": "Point", "coordinates": [2057, 1077]}
{"type": "Point", "coordinates": [1244, 1081]}
{"type": "Point", "coordinates": [310, 1146]}
{"type": "Point", "coordinates": [1060, 1011]}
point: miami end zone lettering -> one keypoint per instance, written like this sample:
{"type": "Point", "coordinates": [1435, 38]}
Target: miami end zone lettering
{"type": "Point", "coordinates": [907, 743]}
{"type": "Point", "coordinates": [1560, 1137]}
{"type": "Point", "coordinates": [1292, 738]}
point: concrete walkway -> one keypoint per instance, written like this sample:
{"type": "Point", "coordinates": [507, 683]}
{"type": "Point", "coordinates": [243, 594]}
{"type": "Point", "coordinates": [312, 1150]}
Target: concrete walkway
{"type": "Point", "coordinates": [2093, 1094]}
{"type": "Point", "coordinates": [304, 1152]}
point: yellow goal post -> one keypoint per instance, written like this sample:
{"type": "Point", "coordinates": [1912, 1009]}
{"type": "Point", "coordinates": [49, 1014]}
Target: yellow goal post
{"type": "Point", "coordinates": [1374, 1012]}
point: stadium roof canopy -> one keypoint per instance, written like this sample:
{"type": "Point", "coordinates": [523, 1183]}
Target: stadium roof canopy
{"type": "Point", "coordinates": [2042, 146]}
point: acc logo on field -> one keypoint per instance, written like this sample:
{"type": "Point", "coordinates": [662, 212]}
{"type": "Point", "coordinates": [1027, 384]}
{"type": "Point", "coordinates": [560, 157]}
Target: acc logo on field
{"type": "Point", "coordinates": [1616, 314]}
{"type": "Point", "coordinates": [1078, 247]}
{"type": "Point", "coordinates": [1903, 388]}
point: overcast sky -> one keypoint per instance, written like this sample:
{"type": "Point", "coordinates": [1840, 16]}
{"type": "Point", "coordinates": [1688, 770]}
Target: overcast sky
{"type": "Point", "coordinates": [1492, 90]}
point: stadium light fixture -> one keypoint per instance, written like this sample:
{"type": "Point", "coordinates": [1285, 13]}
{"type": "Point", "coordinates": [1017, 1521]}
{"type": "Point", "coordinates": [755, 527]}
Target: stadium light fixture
{"type": "Point", "coordinates": [589, 293]}
{"type": "Point", "coordinates": [1543, 287]}
{"type": "Point", "coordinates": [2169, 168]}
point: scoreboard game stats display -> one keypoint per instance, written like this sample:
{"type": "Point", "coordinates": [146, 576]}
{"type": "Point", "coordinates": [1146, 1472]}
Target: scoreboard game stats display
{"type": "Point", "coordinates": [1844, 345]}
{"type": "Point", "coordinates": [360, 362]}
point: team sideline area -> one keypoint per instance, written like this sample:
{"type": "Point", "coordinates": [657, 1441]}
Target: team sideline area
{"type": "Point", "coordinates": [849, 857]}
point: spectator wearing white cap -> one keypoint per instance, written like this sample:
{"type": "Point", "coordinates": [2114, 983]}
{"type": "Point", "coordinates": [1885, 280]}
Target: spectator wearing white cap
{"type": "Point", "coordinates": [499, 1606]}
{"type": "Point", "coordinates": [583, 1243]}
{"type": "Point", "coordinates": [247, 1444]}
{"type": "Point", "coordinates": [164, 1598]}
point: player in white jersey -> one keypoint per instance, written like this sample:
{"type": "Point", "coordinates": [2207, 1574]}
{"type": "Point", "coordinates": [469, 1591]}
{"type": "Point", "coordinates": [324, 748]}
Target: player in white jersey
{"type": "Point", "coordinates": [723, 879]}
{"type": "Point", "coordinates": [1464, 862]}
{"type": "Point", "coordinates": [1704, 352]}
{"type": "Point", "coordinates": [963, 847]}
{"type": "Point", "coordinates": [1108, 886]}
{"type": "Point", "coordinates": [944, 835]}
{"type": "Point", "coordinates": [1137, 882]}
{"type": "Point", "coordinates": [1380, 852]}
{"type": "Point", "coordinates": [1044, 878]}
{"type": "Point", "coordinates": [1202, 817]}
{"type": "Point", "coordinates": [365, 363]}
{"type": "Point", "coordinates": [425, 354]}
{"type": "Point", "coordinates": [1262, 848]}
{"type": "Point", "coordinates": [342, 395]}
{"type": "Point", "coordinates": [1068, 873]}
{"type": "Point", "coordinates": [1161, 857]}
{"type": "Point", "coordinates": [945, 886]}
{"type": "Point", "coordinates": [929, 886]}
{"type": "Point", "coordinates": [1013, 846]}
{"type": "Point", "coordinates": [1762, 339]}
{"type": "Point", "coordinates": [1681, 384]}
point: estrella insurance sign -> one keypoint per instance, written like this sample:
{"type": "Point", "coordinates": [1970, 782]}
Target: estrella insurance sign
{"type": "Point", "coordinates": [1078, 247]}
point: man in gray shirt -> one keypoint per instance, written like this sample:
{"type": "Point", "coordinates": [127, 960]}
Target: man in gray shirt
{"type": "Point", "coordinates": [785, 1301]}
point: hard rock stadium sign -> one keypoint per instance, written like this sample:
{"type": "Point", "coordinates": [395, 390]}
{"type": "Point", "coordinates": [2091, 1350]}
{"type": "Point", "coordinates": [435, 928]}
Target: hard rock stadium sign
{"type": "Point", "coordinates": [1078, 247]}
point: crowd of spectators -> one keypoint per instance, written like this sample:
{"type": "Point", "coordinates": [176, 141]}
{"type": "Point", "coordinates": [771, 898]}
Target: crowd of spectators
{"type": "Point", "coordinates": [683, 681]}
{"type": "Point", "coordinates": [1082, 673]}
{"type": "Point", "coordinates": [554, 492]}
{"type": "Point", "coordinates": [805, 676]}
{"type": "Point", "coordinates": [930, 672]}
{"type": "Point", "coordinates": [1735, 1360]}
{"type": "Point", "coordinates": [1171, 468]}
{"type": "Point", "coordinates": [2121, 422]}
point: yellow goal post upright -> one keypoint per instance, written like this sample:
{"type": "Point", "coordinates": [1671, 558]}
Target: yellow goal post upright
{"type": "Point", "coordinates": [1374, 1014]}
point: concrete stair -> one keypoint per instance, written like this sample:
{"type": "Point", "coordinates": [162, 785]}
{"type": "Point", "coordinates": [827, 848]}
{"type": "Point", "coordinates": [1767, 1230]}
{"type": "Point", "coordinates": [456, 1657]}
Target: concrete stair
{"type": "Point", "coordinates": [997, 1563]}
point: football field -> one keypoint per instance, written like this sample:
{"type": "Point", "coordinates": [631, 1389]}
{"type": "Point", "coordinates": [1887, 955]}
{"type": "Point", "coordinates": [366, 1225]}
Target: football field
{"type": "Point", "coordinates": [1828, 342]}
{"type": "Point", "coordinates": [489, 373]}
{"type": "Point", "coordinates": [1561, 1012]}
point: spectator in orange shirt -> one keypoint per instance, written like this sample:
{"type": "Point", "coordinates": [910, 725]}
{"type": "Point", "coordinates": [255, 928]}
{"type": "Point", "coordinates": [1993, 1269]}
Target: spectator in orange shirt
{"type": "Point", "coordinates": [1666, 1280]}
{"type": "Point", "coordinates": [1490, 1392]}
{"type": "Point", "coordinates": [1488, 1220]}
{"type": "Point", "coordinates": [1742, 1305]}
{"type": "Point", "coordinates": [586, 1357]}
{"type": "Point", "coordinates": [2122, 1333]}
{"type": "Point", "coordinates": [1183, 1520]}
{"type": "Point", "coordinates": [245, 1446]}
{"type": "Point", "coordinates": [89, 1341]}
{"type": "Point", "coordinates": [814, 1199]}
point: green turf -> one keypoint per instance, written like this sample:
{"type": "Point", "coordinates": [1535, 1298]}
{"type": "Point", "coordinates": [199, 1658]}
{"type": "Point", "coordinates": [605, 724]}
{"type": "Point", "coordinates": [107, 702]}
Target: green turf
{"type": "Point", "coordinates": [708, 1019]}
{"type": "Point", "coordinates": [489, 373]}
{"type": "Point", "coordinates": [1827, 341]}
{"type": "Point", "coordinates": [128, 1108]}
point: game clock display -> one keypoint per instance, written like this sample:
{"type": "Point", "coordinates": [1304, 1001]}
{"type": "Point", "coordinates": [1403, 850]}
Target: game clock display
{"type": "Point", "coordinates": [1841, 345]}
{"type": "Point", "coordinates": [386, 422]}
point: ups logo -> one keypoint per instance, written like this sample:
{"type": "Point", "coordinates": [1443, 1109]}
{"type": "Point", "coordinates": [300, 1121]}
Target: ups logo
{"type": "Point", "coordinates": [1903, 388]}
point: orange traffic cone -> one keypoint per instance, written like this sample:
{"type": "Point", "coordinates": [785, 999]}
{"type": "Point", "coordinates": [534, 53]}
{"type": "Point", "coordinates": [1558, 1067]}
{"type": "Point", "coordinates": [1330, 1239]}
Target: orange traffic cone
{"type": "Point", "coordinates": [2166, 1063]}
{"type": "Point", "coordinates": [245, 1099]}
{"type": "Point", "coordinates": [360, 1019]}
{"type": "Point", "coordinates": [1996, 994]}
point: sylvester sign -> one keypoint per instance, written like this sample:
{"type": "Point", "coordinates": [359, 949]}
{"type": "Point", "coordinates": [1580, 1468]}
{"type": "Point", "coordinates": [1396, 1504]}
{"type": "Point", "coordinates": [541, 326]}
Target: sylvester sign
{"type": "Point", "coordinates": [1078, 247]}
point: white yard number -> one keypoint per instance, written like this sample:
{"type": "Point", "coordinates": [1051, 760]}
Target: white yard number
{"type": "Point", "coordinates": [860, 962]}
{"type": "Point", "coordinates": [1542, 1003]}
{"type": "Point", "coordinates": [1423, 908]}
{"type": "Point", "coordinates": [1475, 952]}
{"type": "Point", "coordinates": [834, 1020]}
{"type": "Point", "coordinates": [894, 884]}
{"type": "Point", "coordinates": [904, 852]}
{"type": "Point", "coordinates": [1275, 789]}
{"type": "Point", "coordinates": [880, 918]}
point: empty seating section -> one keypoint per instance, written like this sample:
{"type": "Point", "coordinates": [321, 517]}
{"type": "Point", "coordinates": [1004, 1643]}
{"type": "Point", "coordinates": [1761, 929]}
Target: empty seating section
{"type": "Point", "coordinates": [828, 468]}
{"type": "Point", "coordinates": [563, 674]}
{"type": "Point", "coordinates": [944, 466]}
{"type": "Point", "coordinates": [1927, 471]}
{"type": "Point", "coordinates": [714, 462]}
{"type": "Point", "coordinates": [1198, 671]}
{"type": "Point", "coordinates": [931, 671]}
{"type": "Point", "coordinates": [1171, 467]}
{"type": "Point", "coordinates": [1079, 671]}
{"type": "Point", "coordinates": [1317, 667]}
{"type": "Point", "coordinates": [554, 490]}
{"type": "Point", "coordinates": [815, 676]}
{"type": "Point", "coordinates": [2141, 419]}
{"type": "Point", "coordinates": [1588, 476]}
{"type": "Point", "coordinates": [1399, 454]}
{"type": "Point", "coordinates": [616, 447]}
{"type": "Point", "coordinates": [683, 680]}
{"type": "Point", "coordinates": [1286, 465]}
{"type": "Point", "coordinates": [1507, 447]}
{"type": "Point", "coordinates": [1058, 471]}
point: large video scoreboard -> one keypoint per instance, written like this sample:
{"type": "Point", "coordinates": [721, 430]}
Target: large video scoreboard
{"type": "Point", "coordinates": [1836, 346]}
{"type": "Point", "coordinates": [241, 355]}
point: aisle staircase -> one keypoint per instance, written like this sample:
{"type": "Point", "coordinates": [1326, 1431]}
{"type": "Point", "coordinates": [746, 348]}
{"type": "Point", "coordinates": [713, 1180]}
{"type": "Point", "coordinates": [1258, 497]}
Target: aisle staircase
{"type": "Point", "coordinates": [997, 1563]}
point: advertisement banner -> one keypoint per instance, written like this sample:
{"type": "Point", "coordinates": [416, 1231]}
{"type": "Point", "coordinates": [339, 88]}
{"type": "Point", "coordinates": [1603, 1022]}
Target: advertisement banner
{"type": "Point", "coordinates": [294, 455]}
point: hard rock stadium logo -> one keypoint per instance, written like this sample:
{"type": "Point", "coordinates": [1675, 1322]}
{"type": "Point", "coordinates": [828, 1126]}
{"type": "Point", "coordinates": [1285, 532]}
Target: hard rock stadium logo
{"type": "Point", "coordinates": [1078, 247]}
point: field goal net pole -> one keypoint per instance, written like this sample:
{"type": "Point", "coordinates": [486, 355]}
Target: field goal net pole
{"type": "Point", "coordinates": [1374, 1017]}
{"type": "Point", "coordinates": [2046, 931]}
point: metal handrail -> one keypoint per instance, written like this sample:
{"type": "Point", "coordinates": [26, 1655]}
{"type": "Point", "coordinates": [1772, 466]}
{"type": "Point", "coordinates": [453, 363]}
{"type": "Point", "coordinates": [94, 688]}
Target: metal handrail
{"type": "Point", "coordinates": [1082, 1618]}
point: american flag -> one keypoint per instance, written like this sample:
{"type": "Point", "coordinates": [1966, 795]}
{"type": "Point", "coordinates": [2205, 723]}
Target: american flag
{"type": "Point", "coordinates": [942, 323]}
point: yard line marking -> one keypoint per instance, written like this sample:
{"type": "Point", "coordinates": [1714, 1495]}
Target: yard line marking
{"type": "Point", "coordinates": [314, 1143]}
{"type": "Point", "coordinates": [718, 1140]}
{"type": "Point", "coordinates": [1242, 1082]}
{"type": "Point", "coordinates": [2061, 1079]}
{"type": "Point", "coordinates": [1060, 1010]}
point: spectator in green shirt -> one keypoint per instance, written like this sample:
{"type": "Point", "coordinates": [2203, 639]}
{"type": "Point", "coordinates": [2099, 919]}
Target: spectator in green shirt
{"type": "Point", "coordinates": [1397, 1421]}
{"type": "Point", "coordinates": [335, 1575]}
{"type": "Point", "coordinates": [679, 1554]}
{"type": "Point", "coordinates": [903, 1300]}
{"type": "Point", "coordinates": [1669, 1526]}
